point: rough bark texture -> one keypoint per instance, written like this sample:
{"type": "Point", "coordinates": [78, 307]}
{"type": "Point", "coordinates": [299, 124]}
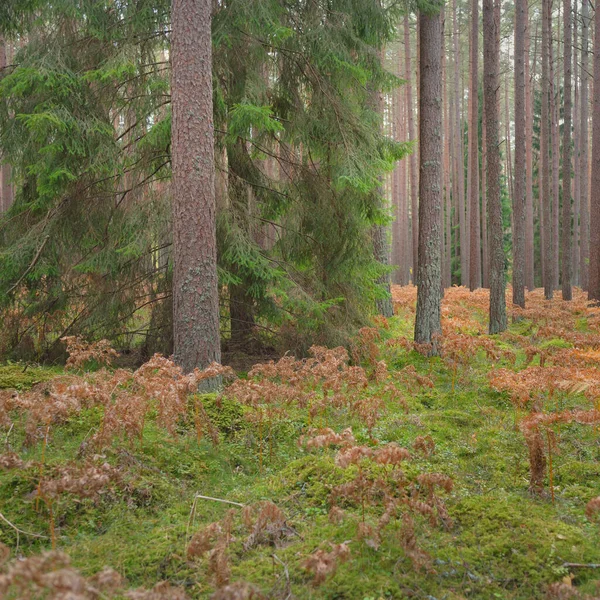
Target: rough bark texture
{"type": "Point", "coordinates": [529, 242]}
{"type": "Point", "coordinates": [485, 253]}
{"type": "Point", "coordinates": [413, 174]}
{"type": "Point", "coordinates": [548, 278]}
{"type": "Point", "coordinates": [594, 272]}
{"type": "Point", "coordinates": [566, 159]}
{"type": "Point", "coordinates": [554, 136]}
{"type": "Point", "coordinates": [195, 284]}
{"type": "Point", "coordinates": [519, 196]}
{"type": "Point", "coordinates": [584, 227]}
{"type": "Point", "coordinates": [576, 192]}
{"type": "Point", "coordinates": [427, 323]}
{"type": "Point", "coordinates": [491, 90]}
{"type": "Point", "coordinates": [474, 221]}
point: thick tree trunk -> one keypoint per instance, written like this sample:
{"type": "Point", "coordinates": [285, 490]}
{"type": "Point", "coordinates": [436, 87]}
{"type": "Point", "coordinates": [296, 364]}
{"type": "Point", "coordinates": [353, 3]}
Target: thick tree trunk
{"type": "Point", "coordinates": [594, 270]}
{"type": "Point", "coordinates": [584, 206]}
{"type": "Point", "coordinates": [474, 221]}
{"type": "Point", "coordinates": [427, 323]}
{"type": "Point", "coordinates": [195, 283]}
{"type": "Point", "coordinates": [519, 193]}
{"type": "Point", "coordinates": [566, 158]}
{"type": "Point", "coordinates": [413, 173]}
{"type": "Point", "coordinates": [491, 91]}
{"type": "Point", "coordinates": [548, 277]}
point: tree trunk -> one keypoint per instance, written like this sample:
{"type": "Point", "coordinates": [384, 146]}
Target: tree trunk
{"type": "Point", "coordinates": [474, 221]}
{"type": "Point", "coordinates": [413, 174]}
{"type": "Point", "coordinates": [491, 90]}
{"type": "Point", "coordinates": [195, 283]}
{"type": "Point", "coordinates": [566, 158]}
{"type": "Point", "coordinates": [529, 238]}
{"type": "Point", "coordinates": [6, 190]}
{"type": "Point", "coordinates": [427, 322]}
{"type": "Point", "coordinates": [519, 194]}
{"type": "Point", "coordinates": [554, 103]}
{"type": "Point", "coordinates": [484, 229]}
{"type": "Point", "coordinates": [546, 197]}
{"type": "Point", "coordinates": [594, 270]}
{"type": "Point", "coordinates": [576, 191]}
{"type": "Point", "coordinates": [584, 205]}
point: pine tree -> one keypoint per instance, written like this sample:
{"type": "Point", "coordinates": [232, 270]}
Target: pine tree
{"type": "Point", "coordinates": [566, 159]}
{"type": "Point", "coordinates": [429, 278]}
{"type": "Point", "coordinates": [491, 90]}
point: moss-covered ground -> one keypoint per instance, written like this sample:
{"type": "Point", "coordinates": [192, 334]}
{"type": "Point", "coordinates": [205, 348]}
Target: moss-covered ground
{"type": "Point", "coordinates": [503, 543]}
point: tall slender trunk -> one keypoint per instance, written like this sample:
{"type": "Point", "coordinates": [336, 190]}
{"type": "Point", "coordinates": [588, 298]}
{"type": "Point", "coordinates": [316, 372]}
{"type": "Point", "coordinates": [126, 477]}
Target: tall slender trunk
{"type": "Point", "coordinates": [545, 154]}
{"type": "Point", "coordinates": [195, 283]}
{"type": "Point", "coordinates": [427, 322]}
{"type": "Point", "coordinates": [584, 206]}
{"type": "Point", "coordinates": [491, 90]}
{"type": "Point", "coordinates": [485, 253]}
{"type": "Point", "coordinates": [413, 173]}
{"type": "Point", "coordinates": [459, 168]}
{"type": "Point", "coordinates": [446, 228]}
{"type": "Point", "coordinates": [566, 158]}
{"type": "Point", "coordinates": [6, 189]}
{"type": "Point", "coordinates": [519, 193]}
{"type": "Point", "coordinates": [575, 160]}
{"type": "Point", "coordinates": [594, 269]}
{"type": "Point", "coordinates": [529, 238]}
{"type": "Point", "coordinates": [554, 136]}
{"type": "Point", "coordinates": [474, 221]}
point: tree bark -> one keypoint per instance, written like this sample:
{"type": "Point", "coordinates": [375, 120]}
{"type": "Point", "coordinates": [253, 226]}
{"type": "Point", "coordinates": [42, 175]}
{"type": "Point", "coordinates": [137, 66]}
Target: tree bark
{"type": "Point", "coordinates": [576, 146]}
{"type": "Point", "coordinates": [413, 173]}
{"type": "Point", "coordinates": [566, 158]}
{"type": "Point", "coordinates": [474, 221]}
{"type": "Point", "coordinates": [594, 269]}
{"type": "Point", "coordinates": [529, 238]}
{"type": "Point", "coordinates": [548, 277]}
{"type": "Point", "coordinates": [427, 322]}
{"type": "Point", "coordinates": [195, 283]}
{"type": "Point", "coordinates": [554, 136]}
{"type": "Point", "coordinates": [519, 193]}
{"type": "Point", "coordinates": [584, 205]}
{"type": "Point", "coordinates": [491, 90]}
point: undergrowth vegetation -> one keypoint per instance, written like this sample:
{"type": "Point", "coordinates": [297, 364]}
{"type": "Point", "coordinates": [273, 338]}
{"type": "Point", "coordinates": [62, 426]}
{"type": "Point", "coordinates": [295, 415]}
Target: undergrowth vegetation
{"type": "Point", "coordinates": [362, 473]}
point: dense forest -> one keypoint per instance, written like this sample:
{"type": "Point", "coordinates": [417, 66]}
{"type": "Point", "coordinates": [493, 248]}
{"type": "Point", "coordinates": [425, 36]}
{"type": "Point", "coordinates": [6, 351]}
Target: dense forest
{"type": "Point", "coordinates": [299, 299]}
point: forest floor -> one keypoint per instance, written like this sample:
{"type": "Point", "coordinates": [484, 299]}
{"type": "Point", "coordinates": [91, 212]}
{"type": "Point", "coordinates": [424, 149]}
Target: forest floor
{"type": "Point", "coordinates": [466, 476]}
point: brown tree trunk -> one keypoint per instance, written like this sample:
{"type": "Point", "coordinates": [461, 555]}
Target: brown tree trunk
{"type": "Point", "coordinates": [576, 191]}
{"type": "Point", "coordinates": [519, 193]}
{"type": "Point", "coordinates": [491, 91]}
{"type": "Point", "coordinates": [546, 197]}
{"type": "Point", "coordinates": [413, 173]}
{"type": "Point", "coordinates": [584, 205]}
{"type": "Point", "coordinates": [529, 243]}
{"type": "Point", "coordinates": [474, 221]}
{"type": "Point", "coordinates": [446, 228]}
{"type": "Point", "coordinates": [485, 253]}
{"type": "Point", "coordinates": [427, 322]}
{"type": "Point", "coordinates": [594, 269]}
{"type": "Point", "coordinates": [195, 283]}
{"type": "Point", "coordinates": [566, 158]}
{"type": "Point", "coordinates": [459, 167]}
{"type": "Point", "coordinates": [554, 136]}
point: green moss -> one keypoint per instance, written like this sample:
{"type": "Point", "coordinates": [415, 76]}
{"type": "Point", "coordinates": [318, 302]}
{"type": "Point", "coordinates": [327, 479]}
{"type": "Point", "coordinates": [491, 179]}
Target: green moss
{"type": "Point", "coordinates": [22, 377]}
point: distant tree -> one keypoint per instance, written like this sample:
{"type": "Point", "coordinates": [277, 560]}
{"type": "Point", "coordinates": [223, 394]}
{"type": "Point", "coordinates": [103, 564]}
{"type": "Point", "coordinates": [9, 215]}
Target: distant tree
{"type": "Point", "coordinates": [474, 221]}
{"type": "Point", "coordinates": [584, 223]}
{"type": "Point", "coordinates": [566, 158]}
{"type": "Point", "coordinates": [519, 195]}
{"type": "Point", "coordinates": [594, 270]}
